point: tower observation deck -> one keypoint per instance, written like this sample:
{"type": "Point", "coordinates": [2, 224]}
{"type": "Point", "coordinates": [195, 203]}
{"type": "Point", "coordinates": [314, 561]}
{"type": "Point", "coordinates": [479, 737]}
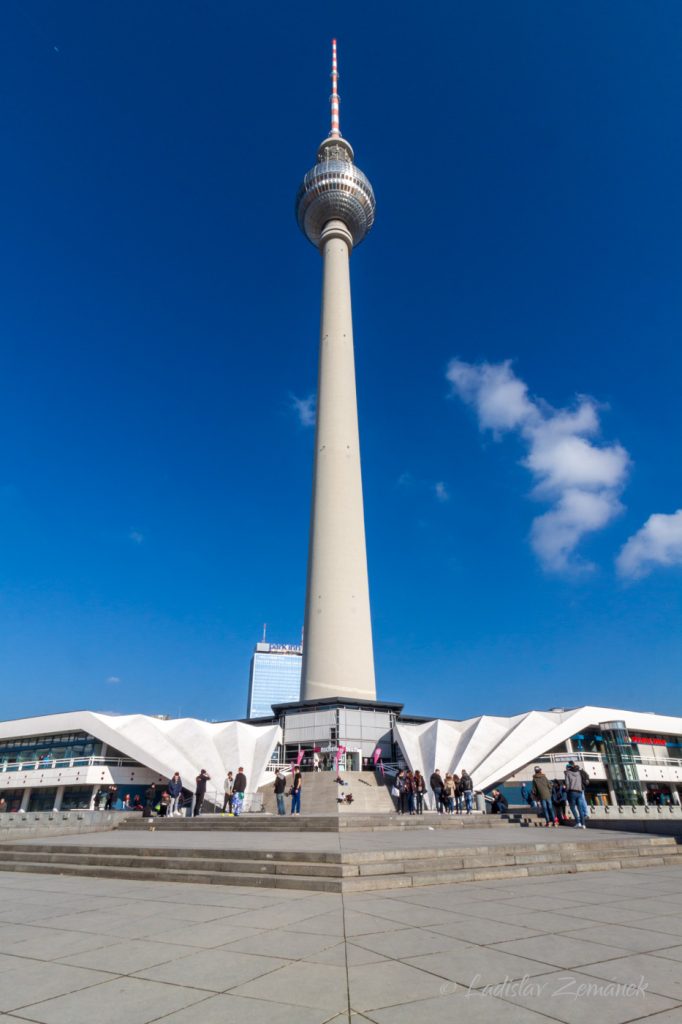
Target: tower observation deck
{"type": "Point", "coordinates": [335, 210]}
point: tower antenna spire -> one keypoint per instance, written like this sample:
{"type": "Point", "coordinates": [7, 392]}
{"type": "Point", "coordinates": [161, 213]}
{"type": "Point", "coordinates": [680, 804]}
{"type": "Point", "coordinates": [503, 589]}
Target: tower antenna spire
{"type": "Point", "coordinates": [335, 132]}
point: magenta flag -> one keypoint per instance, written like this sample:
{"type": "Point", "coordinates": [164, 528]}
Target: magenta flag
{"type": "Point", "coordinates": [377, 754]}
{"type": "Point", "coordinates": [300, 757]}
{"type": "Point", "coordinates": [339, 752]}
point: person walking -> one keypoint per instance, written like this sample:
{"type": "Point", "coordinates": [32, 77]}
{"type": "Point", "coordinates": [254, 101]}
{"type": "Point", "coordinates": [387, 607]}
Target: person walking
{"type": "Point", "coordinates": [542, 794]}
{"type": "Point", "coordinates": [175, 790]}
{"type": "Point", "coordinates": [238, 791]}
{"type": "Point", "coordinates": [468, 790]}
{"type": "Point", "coordinates": [280, 787]}
{"type": "Point", "coordinates": [200, 792]}
{"type": "Point", "coordinates": [296, 791]}
{"type": "Point", "coordinates": [436, 784]}
{"type": "Point", "coordinates": [574, 790]}
{"type": "Point", "coordinates": [228, 786]}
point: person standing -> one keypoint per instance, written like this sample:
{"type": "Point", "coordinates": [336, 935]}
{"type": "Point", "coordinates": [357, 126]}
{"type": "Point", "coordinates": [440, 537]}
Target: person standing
{"type": "Point", "coordinates": [296, 791]}
{"type": "Point", "coordinates": [448, 795]}
{"type": "Point", "coordinates": [419, 791]}
{"type": "Point", "coordinates": [200, 792]}
{"type": "Point", "coordinates": [410, 792]}
{"type": "Point", "coordinates": [175, 790]}
{"type": "Point", "coordinates": [228, 787]}
{"type": "Point", "coordinates": [542, 794]}
{"type": "Point", "coordinates": [574, 790]}
{"type": "Point", "coordinates": [436, 783]}
{"type": "Point", "coordinates": [467, 790]}
{"type": "Point", "coordinates": [459, 792]}
{"type": "Point", "coordinates": [238, 790]}
{"type": "Point", "coordinates": [280, 787]}
{"type": "Point", "coordinates": [559, 801]}
{"type": "Point", "coordinates": [150, 800]}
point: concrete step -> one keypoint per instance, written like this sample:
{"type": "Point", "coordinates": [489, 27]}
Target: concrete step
{"type": "Point", "coordinates": [344, 872]}
{"type": "Point", "coordinates": [269, 880]}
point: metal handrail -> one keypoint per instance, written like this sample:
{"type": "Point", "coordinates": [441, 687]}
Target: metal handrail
{"type": "Point", "coordinates": [66, 762]}
{"type": "Point", "coordinates": [591, 756]}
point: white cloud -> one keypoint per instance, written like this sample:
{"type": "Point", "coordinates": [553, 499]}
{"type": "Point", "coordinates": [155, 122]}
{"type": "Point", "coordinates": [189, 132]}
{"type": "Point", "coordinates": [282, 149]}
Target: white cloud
{"type": "Point", "coordinates": [304, 409]}
{"type": "Point", "coordinates": [136, 537]}
{"type": "Point", "coordinates": [441, 491]}
{"type": "Point", "coordinates": [659, 542]}
{"type": "Point", "coordinates": [582, 479]}
{"type": "Point", "coordinates": [113, 680]}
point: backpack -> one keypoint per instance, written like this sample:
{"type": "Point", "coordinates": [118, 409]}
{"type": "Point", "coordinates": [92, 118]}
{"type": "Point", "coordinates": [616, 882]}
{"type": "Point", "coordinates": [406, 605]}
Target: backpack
{"type": "Point", "coordinates": [585, 777]}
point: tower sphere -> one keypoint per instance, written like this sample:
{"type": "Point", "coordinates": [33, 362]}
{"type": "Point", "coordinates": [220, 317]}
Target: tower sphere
{"type": "Point", "coordinates": [335, 189]}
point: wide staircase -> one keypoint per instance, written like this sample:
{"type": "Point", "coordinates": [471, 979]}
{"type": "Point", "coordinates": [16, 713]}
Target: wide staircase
{"type": "Point", "coordinates": [318, 794]}
{"type": "Point", "coordinates": [343, 872]}
{"type": "Point", "coordinates": [371, 795]}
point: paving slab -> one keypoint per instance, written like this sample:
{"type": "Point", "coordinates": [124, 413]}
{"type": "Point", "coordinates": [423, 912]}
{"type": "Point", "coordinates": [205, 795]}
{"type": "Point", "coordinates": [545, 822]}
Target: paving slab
{"type": "Point", "coordinates": [128, 1000]}
{"type": "Point", "coordinates": [573, 998]}
{"type": "Point", "coordinates": [323, 987]}
{"type": "Point", "coordinates": [24, 981]}
{"type": "Point", "coordinates": [660, 975]}
{"type": "Point", "coordinates": [230, 1009]}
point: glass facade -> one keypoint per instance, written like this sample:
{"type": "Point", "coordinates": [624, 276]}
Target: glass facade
{"type": "Point", "coordinates": [49, 748]}
{"type": "Point", "coordinates": [275, 678]}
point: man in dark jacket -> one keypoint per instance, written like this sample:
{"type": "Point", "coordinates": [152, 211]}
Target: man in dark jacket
{"type": "Point", "coordinates": [436, 783]}
{"type": "Point", "coordinates": [280, 787]}
{"type": "Point", "coordinates": [238, 790]}
{"type": "Point", "coordinates": [542, 794]}
{"type": "Point", "coordinates": [150, 798]}
{"type": "Point", "coordinates": [467, 784]}
{"type": "Point", "coordinates": [200, 792]}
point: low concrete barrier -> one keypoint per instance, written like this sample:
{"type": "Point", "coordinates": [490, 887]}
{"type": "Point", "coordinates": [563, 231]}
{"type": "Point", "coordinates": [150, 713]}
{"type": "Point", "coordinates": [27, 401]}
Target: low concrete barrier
{"type": "Point", "coordinates": [29, 824]}
{"type": "Point", "coordinates": [662, 821]}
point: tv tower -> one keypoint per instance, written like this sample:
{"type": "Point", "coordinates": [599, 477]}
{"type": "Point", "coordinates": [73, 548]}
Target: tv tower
{"type": "Point", "coordinates": [335, 210]}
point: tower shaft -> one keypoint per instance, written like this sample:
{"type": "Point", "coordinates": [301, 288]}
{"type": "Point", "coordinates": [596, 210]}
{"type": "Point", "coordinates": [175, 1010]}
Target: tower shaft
{"type": "Point", "coordinates": [338, 658]}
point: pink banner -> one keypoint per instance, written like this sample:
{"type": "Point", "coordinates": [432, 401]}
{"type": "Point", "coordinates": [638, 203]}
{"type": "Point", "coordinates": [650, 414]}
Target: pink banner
{"type": "Point", "coordinates": [339, 753]}
{"type": "Point", "coordinates": [300, 757]}
{"type": "Point", "coordinates": [377, 754]}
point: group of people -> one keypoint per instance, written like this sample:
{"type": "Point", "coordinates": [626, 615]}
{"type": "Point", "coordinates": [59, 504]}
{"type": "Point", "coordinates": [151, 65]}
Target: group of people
{"type": "Point", "coordinates": [234, 788]}
{"type": "Point", "coordinates": [551, 797]}
{"type": "Point", "coordinates": [171, 801]}
{"type": "Point", "coordinates": [408, 791]}
{"type": "Point", "coordinates": [294, 792]}
{"type": "Point", "coordinates": [453, 794]}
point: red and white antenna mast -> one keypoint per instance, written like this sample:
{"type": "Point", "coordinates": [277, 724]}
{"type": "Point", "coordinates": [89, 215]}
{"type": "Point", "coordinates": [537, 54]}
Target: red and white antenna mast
{"type": "Point", "coordinates": [335, 133]}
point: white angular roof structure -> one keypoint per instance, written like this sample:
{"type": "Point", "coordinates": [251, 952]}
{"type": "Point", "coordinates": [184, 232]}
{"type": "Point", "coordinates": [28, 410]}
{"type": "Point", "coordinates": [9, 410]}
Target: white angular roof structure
{"type": "Point", "coordinates": [184, 745]}
{"type": "Point", "coordinates": [491, 749]}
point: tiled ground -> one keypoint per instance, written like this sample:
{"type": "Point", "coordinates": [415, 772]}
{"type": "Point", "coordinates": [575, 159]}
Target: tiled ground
{"type": "Point", "coordinates": [601, 947]}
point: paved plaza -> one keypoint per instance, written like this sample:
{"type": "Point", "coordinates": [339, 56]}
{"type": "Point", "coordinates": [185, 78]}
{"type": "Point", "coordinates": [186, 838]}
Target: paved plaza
{"type": "Point", "coordinates": [603, 946]}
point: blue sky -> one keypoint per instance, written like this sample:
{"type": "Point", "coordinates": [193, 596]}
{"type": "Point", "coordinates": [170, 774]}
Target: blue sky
{"type": "Point", "coordinates": [159, 318]}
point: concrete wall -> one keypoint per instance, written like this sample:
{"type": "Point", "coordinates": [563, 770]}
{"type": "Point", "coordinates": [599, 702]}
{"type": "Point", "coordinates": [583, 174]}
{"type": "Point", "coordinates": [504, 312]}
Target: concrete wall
{"type": "Point", "coordinates": [57, 823]}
